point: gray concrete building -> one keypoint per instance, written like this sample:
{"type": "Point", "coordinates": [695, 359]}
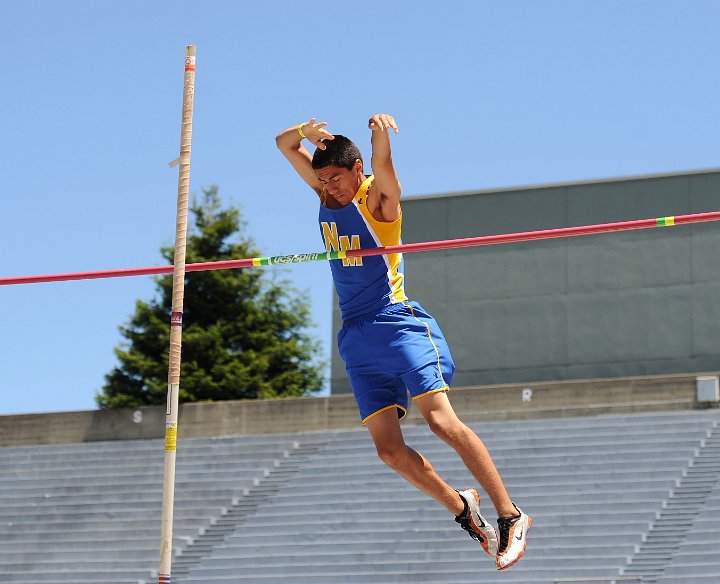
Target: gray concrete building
{"type": "Point", "coordinates": [619, 304]}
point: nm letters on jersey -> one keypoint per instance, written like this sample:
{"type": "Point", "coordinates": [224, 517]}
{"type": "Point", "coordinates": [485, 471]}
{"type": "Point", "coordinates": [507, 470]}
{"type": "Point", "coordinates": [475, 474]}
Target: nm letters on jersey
{"type": "Point", "coordinates": [333, 242]}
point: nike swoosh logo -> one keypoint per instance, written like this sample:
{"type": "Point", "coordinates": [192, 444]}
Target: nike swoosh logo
{"type": "Point", "coordinates": [519, 537]}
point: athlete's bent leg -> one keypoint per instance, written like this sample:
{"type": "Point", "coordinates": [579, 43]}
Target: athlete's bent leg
{"type": "Point", "coordinates": [411, 465]}
{"type": "Point", "coordinates": [442, 420]}
{"type": "Point", "coordinates": [513, 524]}
{"type": "Point", "coordinates": [415, 468]}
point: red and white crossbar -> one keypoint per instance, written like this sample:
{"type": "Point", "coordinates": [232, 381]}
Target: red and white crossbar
{"type": "Point", "coordinates": [353, 253]}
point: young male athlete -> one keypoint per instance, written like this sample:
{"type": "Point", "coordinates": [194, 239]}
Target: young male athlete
{"type": "Point", "coordinates": [390, 345]}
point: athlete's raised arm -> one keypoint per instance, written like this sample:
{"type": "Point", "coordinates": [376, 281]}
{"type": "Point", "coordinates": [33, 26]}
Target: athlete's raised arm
{"type": "Point", "coordinates": [386, 184]}
{"type": "Point", "coordinates": [290, 144]}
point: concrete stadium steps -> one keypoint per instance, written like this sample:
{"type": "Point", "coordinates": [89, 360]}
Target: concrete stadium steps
{"type": "Point", "coordinates": [138, 450]}
{"type": "Point", "coordinates": [319, 507]}
{"type": "Point", "coordinates": [243, 508]}
{"type": "Point", "coordinates": [696, 556]}
{"type": "Point", "coordinates": [91, 512]}
{"type": "Point", "coordinates": [661, 550]}
{"type": "Point", "coordinates": [593, 486]}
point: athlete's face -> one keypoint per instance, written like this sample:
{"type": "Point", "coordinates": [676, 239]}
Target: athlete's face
{"type": "Point", "coordinates": [340, 183]}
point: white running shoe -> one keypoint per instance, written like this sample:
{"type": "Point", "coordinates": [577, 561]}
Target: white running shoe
{"type": "Point", "coordinates": [475, 524]}
{"type": "Point", "coordinates": [513, 535]}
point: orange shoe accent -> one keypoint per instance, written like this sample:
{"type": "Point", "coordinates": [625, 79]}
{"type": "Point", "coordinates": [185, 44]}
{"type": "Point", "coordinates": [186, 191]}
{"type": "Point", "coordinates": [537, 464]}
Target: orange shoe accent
{"type": "Point", "coordinates": [526, 525]}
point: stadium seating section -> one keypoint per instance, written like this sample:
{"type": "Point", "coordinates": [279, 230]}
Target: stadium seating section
{"type": "Point", "coordinates": [622, 498]}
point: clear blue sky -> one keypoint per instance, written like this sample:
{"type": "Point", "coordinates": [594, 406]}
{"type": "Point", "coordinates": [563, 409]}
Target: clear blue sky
{"type": "Point", "coordinates": [486, 94]}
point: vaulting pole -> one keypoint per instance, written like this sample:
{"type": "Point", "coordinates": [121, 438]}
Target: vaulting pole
{"type": "Point", "coordinates": [178, 291]}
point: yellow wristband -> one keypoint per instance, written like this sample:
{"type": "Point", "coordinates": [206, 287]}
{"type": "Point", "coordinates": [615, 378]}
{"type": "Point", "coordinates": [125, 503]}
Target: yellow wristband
{"type": "Point", "coordinates": [302, 134]}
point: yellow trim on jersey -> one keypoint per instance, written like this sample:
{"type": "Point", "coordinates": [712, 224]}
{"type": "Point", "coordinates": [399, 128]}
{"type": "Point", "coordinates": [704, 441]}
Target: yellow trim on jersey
{"type": "Point", "coordinates": [365, 186]}
{"type": "Point", "coordinates": [385, 233]}
{"type": "Point", "coordinates": [396, 406]}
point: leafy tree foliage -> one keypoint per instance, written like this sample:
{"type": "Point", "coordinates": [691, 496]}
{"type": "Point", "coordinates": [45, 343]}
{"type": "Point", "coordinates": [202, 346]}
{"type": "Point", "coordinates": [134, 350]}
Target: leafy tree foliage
{"type": "Point", "coordinates": [244, 333]}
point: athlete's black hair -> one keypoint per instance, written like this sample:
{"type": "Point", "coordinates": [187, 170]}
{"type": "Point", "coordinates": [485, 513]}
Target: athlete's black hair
{"type": "Point", "coordinates": [340, 152]}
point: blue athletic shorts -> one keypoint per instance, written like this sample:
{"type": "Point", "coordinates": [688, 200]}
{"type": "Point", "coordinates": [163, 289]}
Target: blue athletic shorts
{"type": "Point", "coordinates": [400, 349]}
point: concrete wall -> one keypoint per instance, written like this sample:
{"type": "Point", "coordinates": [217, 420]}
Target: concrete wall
{"type": "Point", "coordinates": [339, 412]}
{"type": "Point", "coordinates": [612, 305]}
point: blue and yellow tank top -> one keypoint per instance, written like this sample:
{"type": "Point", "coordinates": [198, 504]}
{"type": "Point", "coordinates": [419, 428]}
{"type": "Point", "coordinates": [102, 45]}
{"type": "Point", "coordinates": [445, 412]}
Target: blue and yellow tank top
{"type": "Point", "coordinates": [368, 284]}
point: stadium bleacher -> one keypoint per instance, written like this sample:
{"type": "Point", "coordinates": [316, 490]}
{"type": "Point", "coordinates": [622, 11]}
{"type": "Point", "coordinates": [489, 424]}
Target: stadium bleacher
{"type": "Point", "coordinates": [614, 498]}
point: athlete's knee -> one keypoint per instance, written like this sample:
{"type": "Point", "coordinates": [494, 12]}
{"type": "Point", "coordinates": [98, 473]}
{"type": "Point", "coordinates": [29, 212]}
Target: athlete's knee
{"type": "Point", "coordinates": [392, 454]}
{"type": "Point", "coordinates": [448, 428]}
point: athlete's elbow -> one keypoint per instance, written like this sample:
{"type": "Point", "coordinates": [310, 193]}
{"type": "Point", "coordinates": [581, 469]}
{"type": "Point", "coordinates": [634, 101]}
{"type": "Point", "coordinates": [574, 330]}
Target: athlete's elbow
{"type": "Point", "coordinates": [283, 144]}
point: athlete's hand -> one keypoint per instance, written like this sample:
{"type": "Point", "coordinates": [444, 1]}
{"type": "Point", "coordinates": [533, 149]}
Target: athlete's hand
{"type": "Point", "coordinates": [382, 122]}
{"type": "Point", "coordinates": [317, 132]}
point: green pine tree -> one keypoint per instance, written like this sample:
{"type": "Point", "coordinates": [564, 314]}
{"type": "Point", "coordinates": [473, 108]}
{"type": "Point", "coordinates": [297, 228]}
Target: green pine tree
{"type": "Point", "coordinates": [244, 334]}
